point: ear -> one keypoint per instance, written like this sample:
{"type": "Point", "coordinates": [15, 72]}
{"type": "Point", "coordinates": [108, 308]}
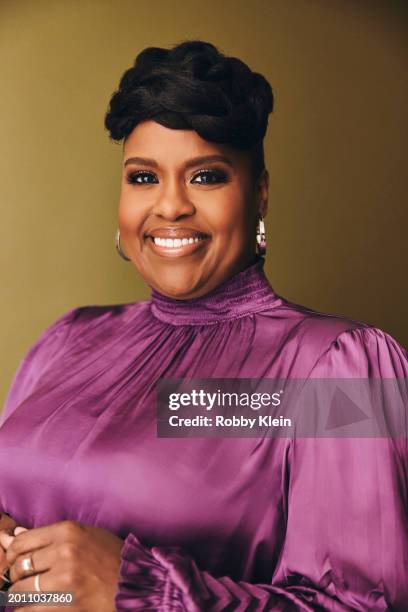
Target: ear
{"type": "Point", "coordinates": [263, 193]}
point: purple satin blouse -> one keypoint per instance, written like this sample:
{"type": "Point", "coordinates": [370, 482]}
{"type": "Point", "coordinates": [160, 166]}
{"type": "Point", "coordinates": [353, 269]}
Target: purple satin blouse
{"type": "Point", "coordinates": [245, 524]}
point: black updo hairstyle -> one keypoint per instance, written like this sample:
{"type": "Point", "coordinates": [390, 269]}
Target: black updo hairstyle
{"type": "Point", "coordinates": [195, 86]}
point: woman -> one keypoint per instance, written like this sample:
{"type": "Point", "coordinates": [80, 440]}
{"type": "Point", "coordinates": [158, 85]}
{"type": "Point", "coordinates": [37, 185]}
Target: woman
{"type": "Point", "coordinates": [130, 521]}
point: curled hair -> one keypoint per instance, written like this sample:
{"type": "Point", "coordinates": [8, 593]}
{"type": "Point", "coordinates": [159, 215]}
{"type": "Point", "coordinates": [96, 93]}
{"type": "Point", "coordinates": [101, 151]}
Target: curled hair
{"type": "Point", "coordinates": [194, 86]}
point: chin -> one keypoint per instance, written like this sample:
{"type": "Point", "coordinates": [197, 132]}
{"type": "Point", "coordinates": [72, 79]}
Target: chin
{"type": "Point", "coordinates": [176, 292]}
{"type": "Point", "coordinates": [176, 286]}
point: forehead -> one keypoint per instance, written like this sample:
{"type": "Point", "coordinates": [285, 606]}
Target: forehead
{"type": "Point", "coordinates": [171, 147]}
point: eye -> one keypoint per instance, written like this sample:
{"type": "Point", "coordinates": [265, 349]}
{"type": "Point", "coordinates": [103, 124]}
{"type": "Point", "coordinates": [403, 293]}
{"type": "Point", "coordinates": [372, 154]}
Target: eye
{"type": "Point", "coordinates": [139, 177]}
{"type": "Point", "coordinates": [207, 176]}
{"type": "Point", "coordinates": [210, 177]}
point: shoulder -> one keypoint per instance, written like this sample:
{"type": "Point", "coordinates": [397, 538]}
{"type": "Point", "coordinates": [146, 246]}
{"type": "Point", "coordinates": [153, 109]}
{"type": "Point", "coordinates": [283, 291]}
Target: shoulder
{"type": "Point", "coordinates": [90, 317]}
{"type": "Point", "coordinates": [81, 324]}
{"type": "Point", "coordinates": [344, 346]}
{"type": "Point", "coordinates": [363, 351]}
{"type": "Point", "coordinates": [91, 324]}
{"type": "Point", "coordinates": [311, 331]}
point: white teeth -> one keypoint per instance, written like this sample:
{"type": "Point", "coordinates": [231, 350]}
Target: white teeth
{"type": "Point", "coordinates": [176, 243]}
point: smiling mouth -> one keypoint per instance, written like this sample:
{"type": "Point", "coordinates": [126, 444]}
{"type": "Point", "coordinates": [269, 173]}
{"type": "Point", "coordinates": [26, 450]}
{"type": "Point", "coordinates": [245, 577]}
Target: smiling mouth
{"type": "Point", "coordinates": [176, 247]}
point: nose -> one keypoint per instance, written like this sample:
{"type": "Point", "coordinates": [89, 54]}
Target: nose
{"type": "Point", "coordinates": [173, 202]}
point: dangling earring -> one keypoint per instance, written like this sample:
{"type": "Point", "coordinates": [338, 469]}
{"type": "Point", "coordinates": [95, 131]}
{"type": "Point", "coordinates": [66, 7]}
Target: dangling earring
{"type": "Point", "coordinates": [118, 247]}
{"type": "Point", "coordinates": [260, 237]}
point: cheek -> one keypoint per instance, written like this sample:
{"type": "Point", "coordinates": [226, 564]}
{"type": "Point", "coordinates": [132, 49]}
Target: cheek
{"type": "Point", "coordinates": [130, 213]}
{"type": "Point", "coordinates": [223, 205]}
{"type": "Point", "coordinates": [232, 218]}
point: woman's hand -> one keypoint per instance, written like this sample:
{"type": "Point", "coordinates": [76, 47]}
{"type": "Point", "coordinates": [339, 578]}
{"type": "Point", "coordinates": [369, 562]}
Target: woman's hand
{"type": "Point", "coordinates": [7, 525]}
{"type": "Point", "coordinates": [69, 556]}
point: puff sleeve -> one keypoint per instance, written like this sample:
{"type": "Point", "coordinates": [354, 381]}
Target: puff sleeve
{"type": "Point", "coordinates": [36, 360]}
{"type": "Point", "coordinates": [346, 540]}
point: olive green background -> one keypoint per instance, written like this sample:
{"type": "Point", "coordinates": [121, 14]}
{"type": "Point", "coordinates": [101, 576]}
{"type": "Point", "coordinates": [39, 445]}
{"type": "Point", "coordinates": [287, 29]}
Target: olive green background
{"type": "Point", "coordinates": [335, 150]}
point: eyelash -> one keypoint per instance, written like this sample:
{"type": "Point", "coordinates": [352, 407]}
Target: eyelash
{"type": "Point", "coordinates": [222, 177]}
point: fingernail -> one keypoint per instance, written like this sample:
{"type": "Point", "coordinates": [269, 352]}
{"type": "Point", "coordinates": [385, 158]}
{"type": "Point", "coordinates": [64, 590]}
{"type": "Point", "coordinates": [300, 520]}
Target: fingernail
{"type": "Point", "coordinates": [19, 529]}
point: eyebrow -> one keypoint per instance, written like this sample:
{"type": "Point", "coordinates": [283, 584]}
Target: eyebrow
{"type": "Point", "coordinates": [194, 161]}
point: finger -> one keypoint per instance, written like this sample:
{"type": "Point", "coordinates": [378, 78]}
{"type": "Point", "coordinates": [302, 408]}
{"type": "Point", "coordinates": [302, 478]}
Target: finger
{"type": "Point", "coordinates": [3, 559]}
{"type": "Point", "coordinates": [28, 584]}
{"type": "Point", "coordinates": [41, 559]}
{"type": "Point", "coordinates": [5, 540]}
{"type": "Point", "coordinates": [30, 540]}
{"type": "Point", "coordinates": [4, 565]}
{"type": "Point", "coordinates": [7, 536]}
{"type": "Point", "coordinates": [39, 537]}
{"type": "Point", "coordinates": [19, 529]}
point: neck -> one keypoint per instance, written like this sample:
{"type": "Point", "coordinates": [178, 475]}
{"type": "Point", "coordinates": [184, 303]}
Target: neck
{"type": "Point", "coordinates": [246, 292]}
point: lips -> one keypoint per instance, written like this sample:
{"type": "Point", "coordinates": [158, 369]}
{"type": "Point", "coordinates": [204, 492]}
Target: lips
{"type": "Point", "coordinates": [176, 241]}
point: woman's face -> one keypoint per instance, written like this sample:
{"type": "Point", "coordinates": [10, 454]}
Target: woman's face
{"type": "Point", "coordinates": [187, 224]}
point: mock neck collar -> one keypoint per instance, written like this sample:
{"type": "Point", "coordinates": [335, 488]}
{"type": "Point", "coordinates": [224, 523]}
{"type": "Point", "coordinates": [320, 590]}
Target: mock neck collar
{"type": "Point", "coordinates": [244, 293]}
